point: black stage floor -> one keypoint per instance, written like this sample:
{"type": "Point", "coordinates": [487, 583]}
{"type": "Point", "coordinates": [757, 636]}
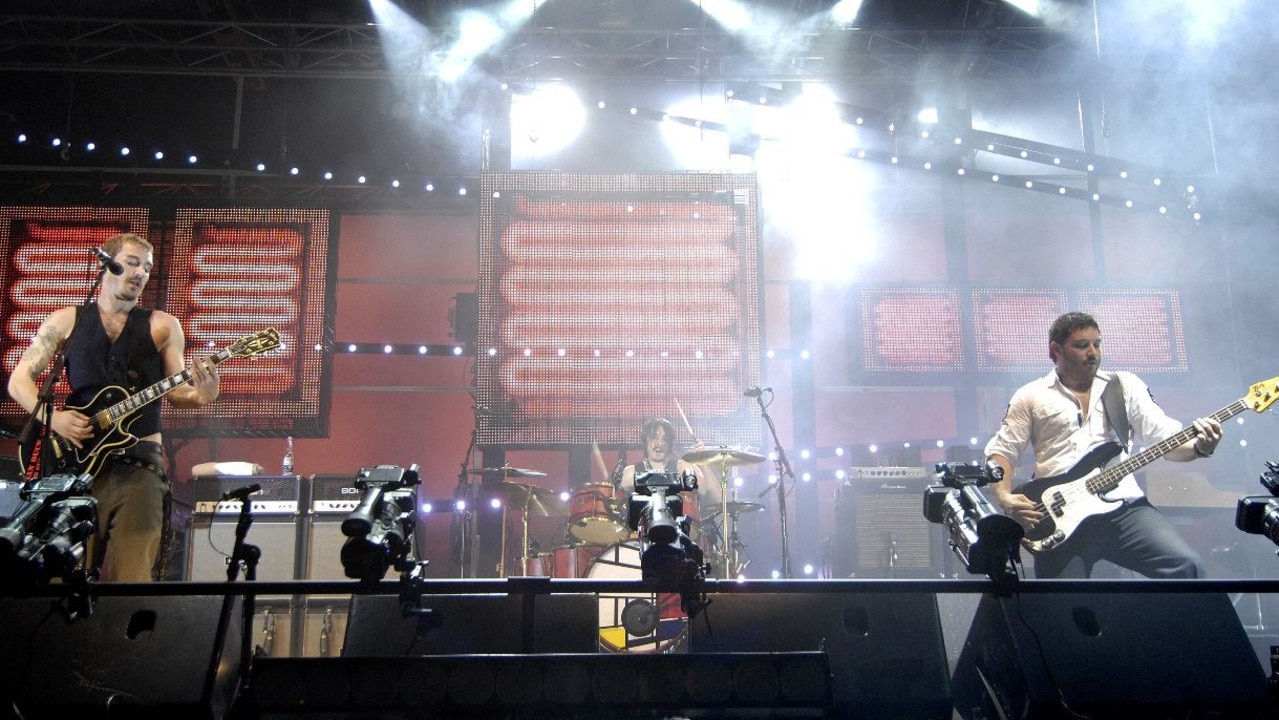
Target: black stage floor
{"type": "Point", "coordinates": [542, 648]}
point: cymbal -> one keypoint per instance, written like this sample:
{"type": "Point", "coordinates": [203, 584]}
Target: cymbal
{"type": "Point", "coordinates": [722, 456]}
{"type": "Point", "coordinates": [735, 509]}
{"type": "Point", "coordinates": [537, 499]}
{"type": "Point", "coordinates": [506, 471]}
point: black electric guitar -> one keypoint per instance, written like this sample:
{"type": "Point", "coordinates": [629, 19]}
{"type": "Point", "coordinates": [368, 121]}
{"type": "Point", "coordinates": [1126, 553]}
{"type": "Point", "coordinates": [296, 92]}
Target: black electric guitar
{"type": "Point", "coordinates": [1074, 496]}
{"type": "Point", "coordinates": [113, 410]}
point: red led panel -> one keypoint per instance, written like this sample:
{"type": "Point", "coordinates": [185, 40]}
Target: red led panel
{"type": "Point", "coordinates": [608, 299]}
{"type": "Point", "coordinates": [1010, 327]}
{"type": "Point", "coordinates": [48, 265]}
{"type": "Point", "coordinates": [1141, 330]}
{"type": "Point", "coordinates": [236, 272]}
{"type": "Point", "coordinates": [911, 330]}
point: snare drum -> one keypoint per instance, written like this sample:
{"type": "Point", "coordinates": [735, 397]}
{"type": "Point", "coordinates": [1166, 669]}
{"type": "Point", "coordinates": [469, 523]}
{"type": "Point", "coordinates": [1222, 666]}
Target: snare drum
{"type": "Point", "coordinates": [593, 515]}
{"type": "Point", "coordinates": [622, 561]}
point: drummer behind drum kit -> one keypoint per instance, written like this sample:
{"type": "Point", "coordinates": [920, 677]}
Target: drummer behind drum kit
{"type": "Point", "coordinates": [598, 543]}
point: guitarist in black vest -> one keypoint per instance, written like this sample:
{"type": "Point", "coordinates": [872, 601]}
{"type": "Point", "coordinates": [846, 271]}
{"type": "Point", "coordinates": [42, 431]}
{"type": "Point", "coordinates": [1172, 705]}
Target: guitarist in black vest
{"type": "Point", "coordinates": [116, 343]}
{"type": "Point", "coordinates": [1061, 417]}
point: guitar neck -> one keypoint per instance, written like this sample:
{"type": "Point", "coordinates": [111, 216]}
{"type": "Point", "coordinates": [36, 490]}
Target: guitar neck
{"type": "Point", "coordinates": [1110, 478]}
{"type": "Point", "coordinates": [154, 392]}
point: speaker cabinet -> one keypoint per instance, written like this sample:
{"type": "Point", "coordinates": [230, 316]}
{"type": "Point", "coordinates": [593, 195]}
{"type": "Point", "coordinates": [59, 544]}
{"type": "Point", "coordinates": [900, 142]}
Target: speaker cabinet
{"type": "Point", "coordinates": [324, 626]}
{"type": "Point", "coordinates": [273, 626]}
{"type": "Point", "coordinates": [881, 531]}
{"type": "Point", "coordinates": [324, 548]}
{"type": "Point", "coordinates": [132, 657]}
{"type": "Point", "coordinates": [886, 653]}
{"type": "Point", "coordinates": [465, 624]}
{"type": "Point", "coordinates": [1120, 655]}
{"type": "Point", "coordinates": [211, 538]}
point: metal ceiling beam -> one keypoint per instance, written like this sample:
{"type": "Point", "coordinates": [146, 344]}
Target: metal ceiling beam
{"type": "Point", "coordinates": [354, 51]}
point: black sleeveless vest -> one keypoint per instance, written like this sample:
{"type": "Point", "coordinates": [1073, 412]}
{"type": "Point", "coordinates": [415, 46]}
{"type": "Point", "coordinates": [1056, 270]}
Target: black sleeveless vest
{"type": "Point", "coordinates": [131, 362]}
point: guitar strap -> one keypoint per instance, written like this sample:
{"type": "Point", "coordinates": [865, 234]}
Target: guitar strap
{"type": "Point", "coordinates": [1112, 402]}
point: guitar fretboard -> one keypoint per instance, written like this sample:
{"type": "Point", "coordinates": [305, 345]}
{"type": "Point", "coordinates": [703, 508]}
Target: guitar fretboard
{"type": "Point", "coordinates": [1110, 478]}
{"type": "Point", "coordinates": [150, 394]}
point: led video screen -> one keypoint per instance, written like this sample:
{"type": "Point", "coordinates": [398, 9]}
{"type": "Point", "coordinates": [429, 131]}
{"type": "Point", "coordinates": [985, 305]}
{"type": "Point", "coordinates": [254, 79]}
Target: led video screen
{"type": "Point", "coordinates": [605, 300]}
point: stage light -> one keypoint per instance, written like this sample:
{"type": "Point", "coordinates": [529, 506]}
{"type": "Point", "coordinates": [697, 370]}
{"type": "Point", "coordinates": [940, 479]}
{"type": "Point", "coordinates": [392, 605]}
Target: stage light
{"type": "Point", "coordinates": [261, 167]}
{"type": "Point", "coordinates": [994, 178]}
{"type": "Point", "coordinates": [361, 179]}
{"type": "Point", "coordinates": [57, 142]}
{"type": "Point", "coordinates": [421, 349]}
{"type": "Point", "coordinates": [159, 155]}
{"type": "Point", "coordinates": [328, 175]}
{"type": "Point", "coordinates": [461, 191]}
{"type": "Point", "coordinates": [845, 11]}
{"type": "Point", "coordinates": [124, 152]}
{"type": "Point", "coordinates": [387, 349]}
{"type": "Point", "coordinates": [22, 138]}
{"type": "Point", "coordinates": [191, 159]}
{"type": "Point", "coordinates": [294, 171]}
{"type": "Point", "coordinates": [430, 187]}
{"type": "Point", "coordinates": [90, 147]}
{"type": "Point", "coordinates": [1123, 174]}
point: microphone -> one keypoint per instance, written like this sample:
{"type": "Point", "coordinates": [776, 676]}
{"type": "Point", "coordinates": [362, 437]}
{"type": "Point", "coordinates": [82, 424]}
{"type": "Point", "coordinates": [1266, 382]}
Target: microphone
{"type": "Point", "coordinates": [756, 391]}
{"type": "Point", "coordinates": [241, 493]}
{"type": "Point", "coordinates": [108, 262]}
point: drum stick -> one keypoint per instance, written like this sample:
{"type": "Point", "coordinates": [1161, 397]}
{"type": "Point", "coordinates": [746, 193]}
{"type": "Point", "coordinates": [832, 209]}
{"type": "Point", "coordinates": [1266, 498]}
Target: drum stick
{"type": "Point", "coordinates": [599, 461]}
{"type": "Point", "coordinates": [685, 418]}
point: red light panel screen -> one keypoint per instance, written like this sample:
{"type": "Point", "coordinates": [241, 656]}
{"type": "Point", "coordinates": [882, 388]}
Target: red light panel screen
{"type": "Point", "coordinates": [237, 272]}
{"type": "Point", "coordinates": [911, 330]}
{"type": "Point", "coordinates": [926, 329]}
{"type": "Point", "coordinates": [49, 265]}
{"type": "Point", "coordinates": [605, 300]}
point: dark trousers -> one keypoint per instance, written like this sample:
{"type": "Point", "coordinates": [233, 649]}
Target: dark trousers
{"type": "Point", "coordinates": [1137, 537]}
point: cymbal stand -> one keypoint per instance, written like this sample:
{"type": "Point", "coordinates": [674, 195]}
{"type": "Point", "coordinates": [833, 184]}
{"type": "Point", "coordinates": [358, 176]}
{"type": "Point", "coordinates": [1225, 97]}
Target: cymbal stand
{"type": "Point", "coordinates": [735, 549]}
{"type": "Point", "coordinates": [528, 500]}
{"type": "Point", "coordinates": [501, 560]}
{"type": "Point", "coordinates": [725, 530]}
{"type": "Point", "coordinates": [783, 469]}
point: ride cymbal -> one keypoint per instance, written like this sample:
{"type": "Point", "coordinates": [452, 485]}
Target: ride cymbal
{"type": "Point", "coordinates": [722, 456]}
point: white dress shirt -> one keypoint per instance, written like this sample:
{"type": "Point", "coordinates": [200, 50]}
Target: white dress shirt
{"type": "Point", "coordinates": [1046, 417]}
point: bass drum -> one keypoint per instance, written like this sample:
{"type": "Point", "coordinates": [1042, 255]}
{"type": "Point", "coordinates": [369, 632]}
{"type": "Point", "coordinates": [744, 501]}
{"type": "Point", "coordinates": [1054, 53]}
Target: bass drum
{"type": "Point", "coordinates": [635, 622]}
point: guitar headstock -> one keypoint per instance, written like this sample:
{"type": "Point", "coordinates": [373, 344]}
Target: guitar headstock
{"type": "Point", "coordinates": [1263, 394]}
{"type": "Point", "coordinates": [254, 344]}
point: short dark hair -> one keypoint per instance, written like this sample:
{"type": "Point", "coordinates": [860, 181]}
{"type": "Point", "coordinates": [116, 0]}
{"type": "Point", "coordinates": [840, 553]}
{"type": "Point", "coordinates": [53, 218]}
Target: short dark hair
{"type": "Point", "coordinates": [1065, 325]}
{"type": "Point", "coordinates": [650, 430]}
{"type": "Point", "coordinates": [1068, 323]}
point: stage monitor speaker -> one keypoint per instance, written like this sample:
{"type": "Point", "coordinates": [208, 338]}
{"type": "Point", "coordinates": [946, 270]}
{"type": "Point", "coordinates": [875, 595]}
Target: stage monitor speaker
{"type": "Point", "coordinates": [1109, 655]}
{"type": "Point", "coordinates": [882, 531]}
{"type": "Point", "coordinates": [132, 657]}
{"type": "Point", "coordinates": [211, 538]}
{"type": "Point", "coordinates": [465, 624]}
{"type": "Point", "coordinates": [886, 653]}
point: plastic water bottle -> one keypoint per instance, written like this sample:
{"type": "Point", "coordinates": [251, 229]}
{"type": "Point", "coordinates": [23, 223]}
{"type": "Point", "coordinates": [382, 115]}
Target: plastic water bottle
{"type": "Point", "coordinates": [286, 467]}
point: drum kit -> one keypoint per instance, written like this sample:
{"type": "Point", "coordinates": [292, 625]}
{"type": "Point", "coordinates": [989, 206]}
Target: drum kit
{"type": "Point", "coordinates": [596, 523]}
{"type": "Point", "coordinates": [597, 542]}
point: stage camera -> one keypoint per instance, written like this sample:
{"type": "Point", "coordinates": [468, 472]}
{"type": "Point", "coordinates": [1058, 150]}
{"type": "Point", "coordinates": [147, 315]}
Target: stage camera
{"type": "Point", "coordinates": [1259, 514]}
{"type": "Point", "coordinates": [46, 536]}
{"type": "Point", "coordinates": [379, 530]}
{"type": "Point", "coordinates": [985, 541]}
{"type": "Point", "coordinates": [671, 560]}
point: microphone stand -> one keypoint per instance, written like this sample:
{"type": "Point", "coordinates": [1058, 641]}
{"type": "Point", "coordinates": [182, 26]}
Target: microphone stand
{"type": "Point", "coordinates": [43, 411]}
{"type": "Point", "coordinates": [783, 471]}
{"type": "Point", "coordinates": [464, 491]}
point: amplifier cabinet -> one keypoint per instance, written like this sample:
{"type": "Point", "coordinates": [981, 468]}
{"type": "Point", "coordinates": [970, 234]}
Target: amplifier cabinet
{"type": "Point", "coordinates": [211, 539]}
{"type": "Point", "coordinates": [881, 531]}
{"type": "Point", "coordinates": [279, 494]}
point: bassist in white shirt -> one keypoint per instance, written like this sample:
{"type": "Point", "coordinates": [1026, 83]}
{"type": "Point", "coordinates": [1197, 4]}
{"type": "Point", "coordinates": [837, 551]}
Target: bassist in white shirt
{"type": "Point", "coordinates": [1076, 516]}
